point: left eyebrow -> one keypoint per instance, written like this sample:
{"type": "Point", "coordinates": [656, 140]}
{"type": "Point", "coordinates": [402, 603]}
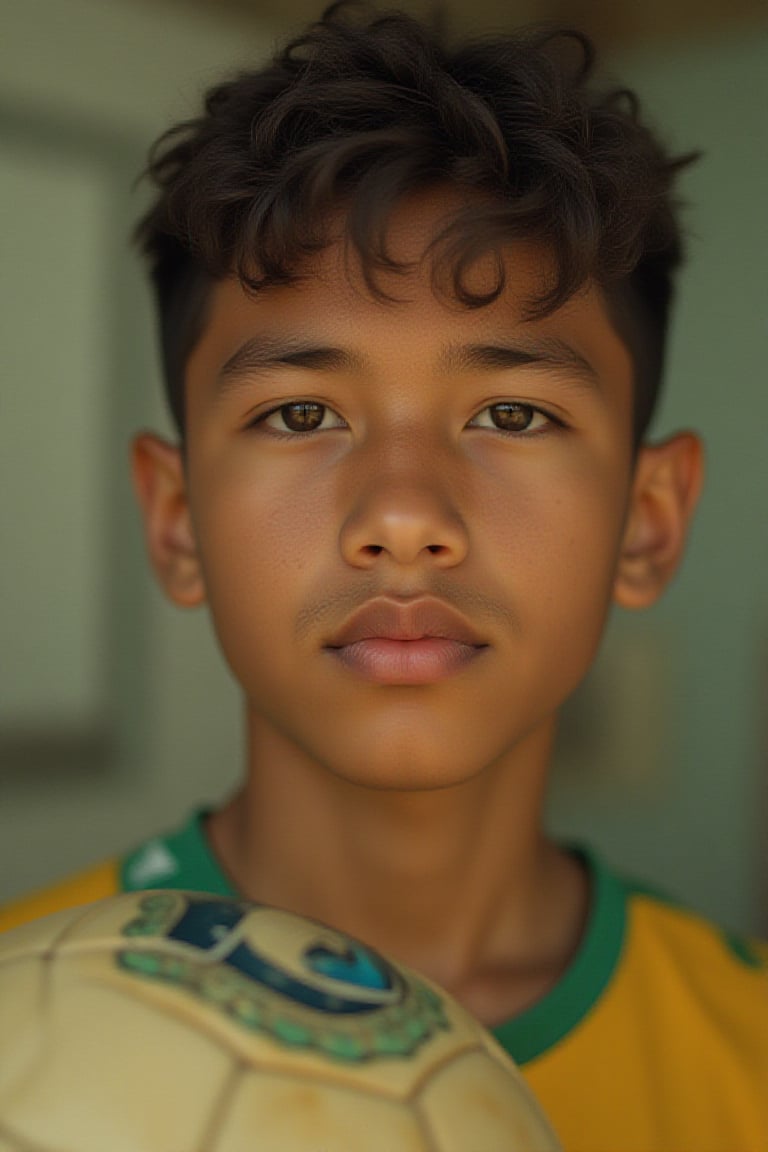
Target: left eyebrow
{"type": "Point", "coordinates": [546, 352]}
{"type": "Point", "coordinates": [266, 353]}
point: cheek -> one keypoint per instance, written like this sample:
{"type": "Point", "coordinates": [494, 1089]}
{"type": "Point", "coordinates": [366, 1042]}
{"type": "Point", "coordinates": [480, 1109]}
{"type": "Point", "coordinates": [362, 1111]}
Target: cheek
{"type": "Point", "coordinates": [567, 515]}
{"type": "Point", "coordinates": [257, 542]}
{"type": "Point", "coordinates": [255, 522]}
{"type": "Point", "coordinates": [555, 544]}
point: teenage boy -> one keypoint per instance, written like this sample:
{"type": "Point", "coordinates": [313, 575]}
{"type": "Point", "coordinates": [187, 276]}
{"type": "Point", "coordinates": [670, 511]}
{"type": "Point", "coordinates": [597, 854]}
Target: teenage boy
{"type": "Point", "coordinates": [413, 305]}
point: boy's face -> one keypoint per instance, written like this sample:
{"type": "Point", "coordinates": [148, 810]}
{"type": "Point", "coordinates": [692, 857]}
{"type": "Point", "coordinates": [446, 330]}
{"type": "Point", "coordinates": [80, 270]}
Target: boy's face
{"type": "Point", "coordinates": [408, 489]}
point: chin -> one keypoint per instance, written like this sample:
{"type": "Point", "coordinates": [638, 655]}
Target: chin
{"type": "Point", "coordinates": [409, 773]}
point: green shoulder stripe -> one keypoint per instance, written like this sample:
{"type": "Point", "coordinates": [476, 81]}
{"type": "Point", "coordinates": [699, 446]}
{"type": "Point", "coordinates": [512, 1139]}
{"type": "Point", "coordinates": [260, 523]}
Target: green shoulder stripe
{"type": "Point", "coordinates": [748, 952]}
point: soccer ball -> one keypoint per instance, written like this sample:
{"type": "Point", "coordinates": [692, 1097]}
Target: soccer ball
{"type": "Point", "coordinates": [170, 1021]}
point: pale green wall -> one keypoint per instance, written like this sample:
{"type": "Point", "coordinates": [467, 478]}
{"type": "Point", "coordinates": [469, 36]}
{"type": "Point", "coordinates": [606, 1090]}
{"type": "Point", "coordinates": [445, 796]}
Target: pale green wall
{"type": "Point", "coordinates": [99, 81]}
{"type": "Point", "coordinates": [697, 821]}
{"type": "Point", "coordinates": [671, 784]}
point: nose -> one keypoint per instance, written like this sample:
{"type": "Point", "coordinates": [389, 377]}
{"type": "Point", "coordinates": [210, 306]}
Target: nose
{"type": "Point", "coordinates": [406, 510]}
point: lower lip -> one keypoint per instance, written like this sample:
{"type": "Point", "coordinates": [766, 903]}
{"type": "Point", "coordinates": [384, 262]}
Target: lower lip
{"type": "Point", "coordinates": [406, 661]}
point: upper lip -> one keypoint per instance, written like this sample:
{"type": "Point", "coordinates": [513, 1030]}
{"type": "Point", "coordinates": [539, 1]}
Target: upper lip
{"type": "Point", "coordinates": [413, 621]}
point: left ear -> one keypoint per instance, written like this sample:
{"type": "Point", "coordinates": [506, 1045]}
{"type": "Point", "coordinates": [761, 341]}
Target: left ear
{"type": "Point", "coordinates": [665, 491]}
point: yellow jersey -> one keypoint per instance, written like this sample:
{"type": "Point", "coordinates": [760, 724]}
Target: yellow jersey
{"type": "Point", "coordinates": [654, 1040]}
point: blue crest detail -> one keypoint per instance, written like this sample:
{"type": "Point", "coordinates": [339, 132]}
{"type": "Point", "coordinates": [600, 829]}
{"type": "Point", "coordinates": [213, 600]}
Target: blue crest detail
{"type": "Point", "coordinates": [355, 965]}
{"type": "Point", "coordinates": [205, 923]}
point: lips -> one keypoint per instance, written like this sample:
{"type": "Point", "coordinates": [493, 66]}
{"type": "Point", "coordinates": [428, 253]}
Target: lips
{"type": "Point", "coordinates": [388, 620]}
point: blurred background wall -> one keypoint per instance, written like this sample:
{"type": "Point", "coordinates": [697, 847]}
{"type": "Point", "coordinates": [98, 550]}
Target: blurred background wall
{"type": "Point", "coordinates": [116, 712]}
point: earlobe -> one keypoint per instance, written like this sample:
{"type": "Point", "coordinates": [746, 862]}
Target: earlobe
{"type": "Point", "coordinates": [159, 482]}
{"type": "Point", "coordinates": [665, 491]}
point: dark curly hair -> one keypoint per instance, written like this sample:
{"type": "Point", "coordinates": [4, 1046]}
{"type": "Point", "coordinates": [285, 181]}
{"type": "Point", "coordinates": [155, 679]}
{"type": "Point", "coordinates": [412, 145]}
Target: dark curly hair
{"type": "Point", "coordinates": [365, 107]}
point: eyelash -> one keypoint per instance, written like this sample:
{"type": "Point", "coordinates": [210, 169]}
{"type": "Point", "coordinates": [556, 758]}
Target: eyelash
{"type": "Point", "coordinates": [522, 433]}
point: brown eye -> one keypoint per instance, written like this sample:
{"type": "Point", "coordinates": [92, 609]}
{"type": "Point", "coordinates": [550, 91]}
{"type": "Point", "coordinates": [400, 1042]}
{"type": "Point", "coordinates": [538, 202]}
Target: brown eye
{"type": "Point", "coordinates": [512, 417]}
{"type": "Point", "coordinates": [296, 417]}
{"type": "Point", "coordinates": [302, 416]}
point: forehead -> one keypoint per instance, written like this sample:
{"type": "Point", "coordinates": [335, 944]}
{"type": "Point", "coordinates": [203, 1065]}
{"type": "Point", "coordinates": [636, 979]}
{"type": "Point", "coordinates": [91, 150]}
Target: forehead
{"type": "Point", "coordinates": [415, 237]}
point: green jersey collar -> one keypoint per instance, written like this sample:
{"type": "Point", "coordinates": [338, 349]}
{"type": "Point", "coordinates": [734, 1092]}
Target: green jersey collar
{"type": "Point", "coordinates": [549, 1020]}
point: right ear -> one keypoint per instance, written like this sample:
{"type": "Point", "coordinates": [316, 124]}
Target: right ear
{"type": "Point", "coordinates": [160, 485]}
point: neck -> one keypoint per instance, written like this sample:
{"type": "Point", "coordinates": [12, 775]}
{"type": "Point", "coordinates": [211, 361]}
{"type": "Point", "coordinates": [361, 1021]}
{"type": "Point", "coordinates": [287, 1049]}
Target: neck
{"type": "Point", "coordinates": [455, 882]}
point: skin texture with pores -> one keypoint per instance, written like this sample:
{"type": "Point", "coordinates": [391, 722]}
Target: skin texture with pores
{"type": "Point", "coordinates": [410, 814]}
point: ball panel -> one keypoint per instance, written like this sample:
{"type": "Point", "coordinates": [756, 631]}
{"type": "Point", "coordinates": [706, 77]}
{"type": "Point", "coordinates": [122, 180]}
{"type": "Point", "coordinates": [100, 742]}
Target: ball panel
{"type": "Point", "coordinates": [105, 1075]}
{"type": "Point", "coordinates": [285, 1114]}
{"type": "Point", "coordinates": [105, 921]}
{"type": "Point", "coordinates": [22, 982]}
{"type": "Point", "coordinates": [475, 1102]}
{"type": "Point", "coordinates": [39, 935]}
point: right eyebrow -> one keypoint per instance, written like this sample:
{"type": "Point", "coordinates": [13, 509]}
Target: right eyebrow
{"type": "Point", "coordinates": [261, 353]}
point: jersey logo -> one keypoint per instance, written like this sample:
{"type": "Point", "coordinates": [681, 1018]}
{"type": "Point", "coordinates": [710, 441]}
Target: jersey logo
{"type": "Point", "coordinates": [154, 863]}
